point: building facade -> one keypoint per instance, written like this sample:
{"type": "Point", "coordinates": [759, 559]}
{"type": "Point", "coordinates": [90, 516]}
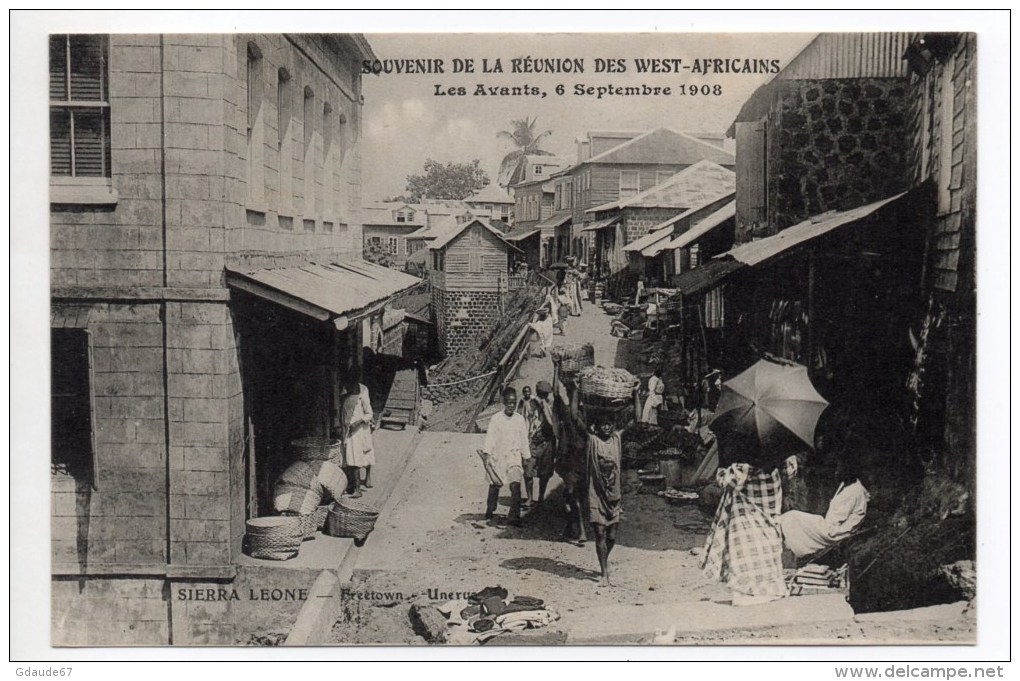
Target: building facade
{"type": "Point", "coordinates": [186, 172]}
{"type": "Point", "coordinates": [826, 133]}
{"type": "Point", "coordinates": [468, 271]}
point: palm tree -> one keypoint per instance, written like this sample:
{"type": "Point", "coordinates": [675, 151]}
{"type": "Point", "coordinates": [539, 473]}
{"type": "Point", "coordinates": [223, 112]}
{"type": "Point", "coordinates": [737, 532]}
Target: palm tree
{"type": "Point", "coordinates": [524, 138]}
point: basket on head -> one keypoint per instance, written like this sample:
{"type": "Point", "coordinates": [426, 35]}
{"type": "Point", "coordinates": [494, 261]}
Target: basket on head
{"type": "Point", "coordinates": [351, 519]}
{"type": "Point", "coordinates": [606, 383]}
{"type": "Point", "coordinates": [316, 448]}
{"type": "Point", "coordinates": [572, 358]}
{"type": "Point", "coordinates": [273, 537]}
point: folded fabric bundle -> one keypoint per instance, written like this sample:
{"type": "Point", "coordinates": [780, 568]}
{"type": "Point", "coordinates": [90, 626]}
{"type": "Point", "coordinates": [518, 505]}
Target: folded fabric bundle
{"type": "Point", "coordinates": [536, 603]}
{"type": "Point", "coordinates": [470, 611]}
{"type": "Point", "coordinates": [526, 619]}
{"type": "Point", "coordinates": [488, 592]}
{"type": "Point", "coordinates": [483, 624]}
{"type": "Point", "coordinates": [493, 606]}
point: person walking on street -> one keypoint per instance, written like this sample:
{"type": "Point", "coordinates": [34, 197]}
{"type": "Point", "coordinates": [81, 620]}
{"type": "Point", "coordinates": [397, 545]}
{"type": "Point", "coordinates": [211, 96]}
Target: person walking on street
{"type": "Point", "coordinates": [504, 452]}
{"type": "Point", "coordinates": [538, 413]}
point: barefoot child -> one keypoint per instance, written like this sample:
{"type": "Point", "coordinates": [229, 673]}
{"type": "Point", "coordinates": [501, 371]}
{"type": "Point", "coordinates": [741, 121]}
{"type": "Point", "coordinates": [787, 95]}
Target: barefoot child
{"type": "Point", "coordinates": [604, 453]}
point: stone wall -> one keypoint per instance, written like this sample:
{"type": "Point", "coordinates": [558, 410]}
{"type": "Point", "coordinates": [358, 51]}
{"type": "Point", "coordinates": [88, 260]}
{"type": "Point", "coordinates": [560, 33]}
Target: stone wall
{"type": "Point", "coordinates": [462, 316]}
{"type": "Point", "coordinates": [833, 145]}
{"type": "Point", "coordinates": [638, 221]}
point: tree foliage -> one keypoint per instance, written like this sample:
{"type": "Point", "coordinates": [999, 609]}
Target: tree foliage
{"type": "Point", "coordinates": [446, 181]}
{"type": "Point", "coordinates": [526, 142]}
{"type": "Point", "coordinates": [379, 255]}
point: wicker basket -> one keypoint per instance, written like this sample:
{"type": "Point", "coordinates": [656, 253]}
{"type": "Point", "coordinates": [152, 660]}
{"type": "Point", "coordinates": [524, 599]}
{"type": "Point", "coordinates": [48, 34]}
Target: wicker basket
{"type": "Point", "coordinates": [572, 358]}
{"type": "Point", "coordinates": [351, 519]}
{"type": "Point", "coordinates": [273, 537]}
{"type": "Point", "coordinates": [313, 522]}
{"type": "Point", "coordinates": [317, 449]}
{"type": "Point", "coordinates": [610, 384]}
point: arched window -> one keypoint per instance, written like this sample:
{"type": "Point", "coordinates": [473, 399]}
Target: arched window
{"type": "Point", "coordinates": [284, 115]}
{"type": "Point", "coordinates": [255, 137]}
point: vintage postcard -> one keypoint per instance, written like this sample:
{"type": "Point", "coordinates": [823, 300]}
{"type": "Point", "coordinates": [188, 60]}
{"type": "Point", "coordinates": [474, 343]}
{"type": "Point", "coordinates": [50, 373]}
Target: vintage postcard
{"type": "Point", "coordinates": [491, 339]}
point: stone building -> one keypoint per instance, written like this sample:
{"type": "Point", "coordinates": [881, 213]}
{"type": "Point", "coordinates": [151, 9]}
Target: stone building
{"type": "Point", "coordinates": [468, 271]}
{"type": "Point", "coordinates": [825, 133]}
{"type": "Point", "coordinates": [207, 298]}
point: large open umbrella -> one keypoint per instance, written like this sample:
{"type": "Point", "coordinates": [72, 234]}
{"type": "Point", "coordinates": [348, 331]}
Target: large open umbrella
{"type": "Point", "coordinates": [767, 412]}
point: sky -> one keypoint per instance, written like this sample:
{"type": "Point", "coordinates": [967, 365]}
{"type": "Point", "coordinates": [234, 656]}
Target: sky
{"type": "Point", "coordinates": [405, 122]}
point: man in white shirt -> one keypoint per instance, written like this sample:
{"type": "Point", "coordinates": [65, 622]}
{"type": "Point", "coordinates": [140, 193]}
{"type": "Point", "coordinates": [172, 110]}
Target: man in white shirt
{"type": "Point", "coordinates": [503, 454]}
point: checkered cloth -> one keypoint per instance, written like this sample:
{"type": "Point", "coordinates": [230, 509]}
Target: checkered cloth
{"type": "Point", "coordinates": [745, 546]}
{"type": "Point", "coordinates": [307, 484]}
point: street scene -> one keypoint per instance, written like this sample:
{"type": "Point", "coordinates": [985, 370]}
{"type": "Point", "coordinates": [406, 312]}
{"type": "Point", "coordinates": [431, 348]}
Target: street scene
{"type": "Point", "coordinates": [525, 339]}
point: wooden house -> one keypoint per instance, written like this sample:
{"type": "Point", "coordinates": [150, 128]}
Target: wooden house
{"type": "Point", "coordinates": [468, 270]}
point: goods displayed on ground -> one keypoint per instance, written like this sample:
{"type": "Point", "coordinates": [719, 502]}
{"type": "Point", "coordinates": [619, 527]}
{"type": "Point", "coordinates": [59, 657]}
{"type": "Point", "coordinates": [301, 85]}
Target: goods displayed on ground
{"type": "Point", "coordinates": [276, 537]}
{"type": "Point", "coordinates": [491, 612]}
{"type": "Point", "coordinates": [814, 577]}
{"type": "Point", "coordinates": [351, 519]}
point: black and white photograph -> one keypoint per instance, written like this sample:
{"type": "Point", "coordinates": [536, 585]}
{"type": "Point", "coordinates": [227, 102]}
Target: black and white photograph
{"type": "Point", "coordinates": [512, 338]}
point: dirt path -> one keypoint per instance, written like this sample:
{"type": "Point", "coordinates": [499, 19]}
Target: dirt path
{"type": "Point", "coordinates": [435, 544]}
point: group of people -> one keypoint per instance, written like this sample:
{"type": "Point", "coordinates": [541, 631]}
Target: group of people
{"type": "Point", "coordinates": [753, 525]}
{"type": "Point", "coordinates": [538, 435]}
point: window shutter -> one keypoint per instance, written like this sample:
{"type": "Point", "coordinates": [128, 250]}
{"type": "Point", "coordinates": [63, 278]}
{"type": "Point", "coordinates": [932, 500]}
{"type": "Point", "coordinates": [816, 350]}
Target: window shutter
{"type": "Point", "coordinates": [60, 142]}
{"type": "Point", "coordinates": [58, 67]}
{"type": "Point", "coordinates": [87, 61]}
{"type": "Point", "coordinates": [90, 143]}
{"type": "Point", "coordinates": [751, 161]}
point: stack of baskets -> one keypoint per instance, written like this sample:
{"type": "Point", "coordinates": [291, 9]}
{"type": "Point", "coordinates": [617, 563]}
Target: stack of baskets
{"type": "Point", "coordinates": [313, 522]}
{"type": "Point", "coordinates": [275, 537]}
{"type": "Point", "coordinates": [317, 448]}
{"type": "Point", "coordinates": [352, 519]}
{"type": "Point", "coordinates": [571, 359]}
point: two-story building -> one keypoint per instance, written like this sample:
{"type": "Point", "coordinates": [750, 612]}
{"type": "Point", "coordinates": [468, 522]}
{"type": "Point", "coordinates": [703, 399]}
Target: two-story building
{"type": "Point", "coordinates": [608, 170]}
{"type": "Point", "coordinates": [493, 203]}
{"type": "Point", "coordinates": [468, 269]}
{"type": "Point", "coordinates": [386, 226]}
{"type": "Point", "coordinates": [208, 298]}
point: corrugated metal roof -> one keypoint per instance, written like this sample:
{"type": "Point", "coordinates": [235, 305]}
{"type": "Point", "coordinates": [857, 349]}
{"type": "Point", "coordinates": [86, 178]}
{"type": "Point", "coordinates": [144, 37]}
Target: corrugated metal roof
{"type": "Point", "coordinates": [756, 252]}
{"type": "Point", "coordinates": [518, 235]}
{"type": "Point", "coordinates": [447, 235]}
{"type": "Point", "coordinates": [698, 230]}
{"type": "Point", "coordinates": [555, 220]}
{"type": "Point", "coordinates": [652, 237]}
{"type": "Point", "coordinates": [666, 146]}
{"type": "Point", "coordinates": [601, 224]}
{"type": "Point", "coordinates": [700, 183]}
{"type": "Point", "coordinates": [324, 290]}
{"type": "Point", "coordinates": [706, 276]}
{"type": "Point", "coordinates": [834, 55]}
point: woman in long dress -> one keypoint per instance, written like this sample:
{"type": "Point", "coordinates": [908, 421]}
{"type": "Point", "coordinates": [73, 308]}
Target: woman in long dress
{"type": "Point", "coordinates": [808, 533]}
{"type": "Point", "coordinates": [358, 423]}
{"type": "Point", "coordinates": [656, 389]}
{"type": "Point", "coordinates": [744, 549]}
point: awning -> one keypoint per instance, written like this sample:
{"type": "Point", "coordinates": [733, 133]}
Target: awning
{"type": "Point", "coordinates": [601, 224]}
{"type": "Point", "coordinates": [707, 276]}
{"type": "Point", "coordinates": [647, 240]}
{"type": "Point", "coordinates": [756, 252]}
{"type": "Point", "coordinates": [699, 230]}
{"type": "Point", "coordinates": [337, 292]}
{"type": "Point", "coordinates": [554, 221]}
{"type": "Point", "coordinates": [522, 234]}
